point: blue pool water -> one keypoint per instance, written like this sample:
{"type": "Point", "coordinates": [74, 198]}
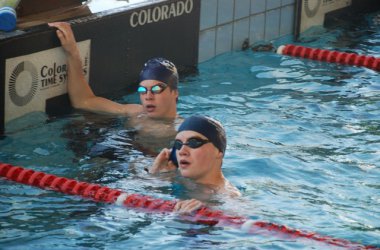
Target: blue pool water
{"type": "Point", "coordinates": [303, 148]}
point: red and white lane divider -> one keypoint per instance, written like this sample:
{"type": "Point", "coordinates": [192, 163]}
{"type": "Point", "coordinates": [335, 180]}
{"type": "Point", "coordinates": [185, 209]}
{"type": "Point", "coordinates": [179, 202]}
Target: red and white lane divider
{"type": "Point", "coordinates": [330, 56]}
{"type": "Point", "coordinates": [204, 215]}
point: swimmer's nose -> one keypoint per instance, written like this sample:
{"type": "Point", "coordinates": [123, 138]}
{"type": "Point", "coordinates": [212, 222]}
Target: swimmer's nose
{"type": "Point", "coordinates": [149, 95]}
{"type": "Point", "coordinates": [184, 150]}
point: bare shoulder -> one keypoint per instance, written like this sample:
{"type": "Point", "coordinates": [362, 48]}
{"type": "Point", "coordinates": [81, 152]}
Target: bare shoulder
{"type": "Point", "coordinates": [231, 190]}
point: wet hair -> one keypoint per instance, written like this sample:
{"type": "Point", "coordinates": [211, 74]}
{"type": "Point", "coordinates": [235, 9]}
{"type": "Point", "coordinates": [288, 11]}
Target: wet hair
{"type": "Point", "coordinates": [162, 70]}
{"type": "Point", "coordinates": [208, 127]}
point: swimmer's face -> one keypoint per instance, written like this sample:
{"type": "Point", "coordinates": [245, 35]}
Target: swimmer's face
{"type": "Point", "coordinates": [159, 105]}
{"type": "Point", "coordinates": [201, 164]}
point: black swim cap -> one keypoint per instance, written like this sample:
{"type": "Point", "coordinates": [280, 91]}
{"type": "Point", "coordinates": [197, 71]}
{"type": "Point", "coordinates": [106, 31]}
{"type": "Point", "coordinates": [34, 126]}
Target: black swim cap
{"type": "Point", "coordinates": [210, 128]}
{"type": "Point", "coordinates": [162, 70]}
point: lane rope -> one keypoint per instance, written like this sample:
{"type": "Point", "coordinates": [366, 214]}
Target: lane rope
{"type": "Point", "coordinates": [331, 56]}
{"type": "Point", "coordinates": [204, 215]}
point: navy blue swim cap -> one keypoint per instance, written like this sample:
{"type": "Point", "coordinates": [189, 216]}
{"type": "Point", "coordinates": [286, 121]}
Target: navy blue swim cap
{"type": "Point", "coordinates": [208, 127]}
{"type": "Point", "coordinates": [162, 70]}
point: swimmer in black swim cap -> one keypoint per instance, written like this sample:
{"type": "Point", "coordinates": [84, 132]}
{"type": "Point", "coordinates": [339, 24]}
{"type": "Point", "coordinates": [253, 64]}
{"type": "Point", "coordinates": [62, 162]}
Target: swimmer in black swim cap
{"type": "Point", "coordinates": [200, 146]}
{"type": "Point", "coordinates": [157, 88]}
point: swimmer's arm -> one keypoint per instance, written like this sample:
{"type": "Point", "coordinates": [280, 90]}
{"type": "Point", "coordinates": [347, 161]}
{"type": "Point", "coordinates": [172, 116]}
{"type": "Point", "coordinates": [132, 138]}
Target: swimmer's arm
{"type": "Point", "coordinates": [80, 92]}
{"type": "Point", "coordinates": [162, 163]}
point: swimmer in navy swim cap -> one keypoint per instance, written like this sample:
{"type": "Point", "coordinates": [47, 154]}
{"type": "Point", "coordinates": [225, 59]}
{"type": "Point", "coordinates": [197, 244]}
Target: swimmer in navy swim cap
{"type": "Point", "coordinates": [200, 146]}
{"type": "Point", "coordinates": [157, 88]}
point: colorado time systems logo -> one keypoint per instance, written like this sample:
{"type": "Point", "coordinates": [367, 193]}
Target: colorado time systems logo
{"type": "Point", "coordinates": [24, 74]}
{"type": "Point", "coordinates": [27, 78]}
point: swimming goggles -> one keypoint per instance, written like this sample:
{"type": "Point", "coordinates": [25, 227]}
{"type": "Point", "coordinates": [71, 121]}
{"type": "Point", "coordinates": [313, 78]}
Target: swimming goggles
{"type": "Point", "coordinates": [191, 143]}
{"type": "Point", "coordinates": [155, 89]}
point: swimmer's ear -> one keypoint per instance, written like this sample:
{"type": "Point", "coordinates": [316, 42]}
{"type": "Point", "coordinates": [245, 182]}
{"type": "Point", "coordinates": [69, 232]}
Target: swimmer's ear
{"type": "Point", "coordinates": [176, 93]}
{"type": "Point", "coordinates": [220, 155]}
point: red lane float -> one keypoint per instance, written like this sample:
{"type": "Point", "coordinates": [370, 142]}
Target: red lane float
{"type": "Point", "coordinates": [330, 56]}
{"type": "Point", "coordinates": [204, 215]}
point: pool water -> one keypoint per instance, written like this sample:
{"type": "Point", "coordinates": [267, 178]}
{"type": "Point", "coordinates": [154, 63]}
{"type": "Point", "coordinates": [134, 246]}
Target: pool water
{"type": "Point", "coordinates": [303, 148]}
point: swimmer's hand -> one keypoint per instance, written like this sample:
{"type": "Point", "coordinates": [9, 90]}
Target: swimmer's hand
{"type": "Point", "coordinates": [162, 163]}
{"type": "Point", "coordinates": [187, 207]}
{"type": "Point", "coordinates": [66, 37]}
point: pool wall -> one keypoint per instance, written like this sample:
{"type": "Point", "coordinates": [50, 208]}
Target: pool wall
{"type": "Point", "coordinates": [226, 24]}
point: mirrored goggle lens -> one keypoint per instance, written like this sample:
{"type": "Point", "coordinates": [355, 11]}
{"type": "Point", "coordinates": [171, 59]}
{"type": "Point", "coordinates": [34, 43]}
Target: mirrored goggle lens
{"type": "Point", "coordinates": [142, 90]}
{"type": "Point", "coordinates": [156, 89]}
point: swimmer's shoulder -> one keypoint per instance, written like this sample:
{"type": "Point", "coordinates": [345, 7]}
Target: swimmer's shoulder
{"type": "Point", "coordinates": [231, 190]}
{"type": "Point", "coordinates": [178, 121]}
